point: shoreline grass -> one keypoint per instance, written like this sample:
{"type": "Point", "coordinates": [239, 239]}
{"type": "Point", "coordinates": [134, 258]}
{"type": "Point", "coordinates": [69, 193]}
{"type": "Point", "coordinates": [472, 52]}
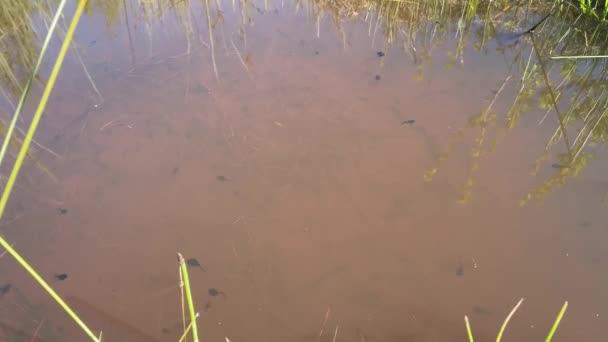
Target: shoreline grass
{"type": "Point", "coordinates": [23, 152]}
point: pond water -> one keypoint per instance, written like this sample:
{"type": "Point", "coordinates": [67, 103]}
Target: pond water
{"type": "Point", "coordinates": [305, 180]}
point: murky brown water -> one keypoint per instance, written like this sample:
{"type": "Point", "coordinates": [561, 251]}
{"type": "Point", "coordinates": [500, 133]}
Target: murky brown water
{"type": "Point", "coordinates": [300, 191]}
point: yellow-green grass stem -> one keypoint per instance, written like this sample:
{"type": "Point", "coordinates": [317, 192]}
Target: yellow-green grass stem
{"type": "Point", "coordinates": [558, 320]}
{"type": "Point", "coordinates": [193, 314]}
{"type": "Point", "coordinates": [504, 324]}
{"type": "Point", "coordinates": [19, 162]}
{"type": "Point", "coordinates": [549, 337]}
{"type": "Point", "coordinates": [468, 326]}
{"type": "Point", "coordinates": [183, 338]}
{"type": "Point", "coordinates": [181, 291]}
{"type": "Point", "coordinates": [28, 85]}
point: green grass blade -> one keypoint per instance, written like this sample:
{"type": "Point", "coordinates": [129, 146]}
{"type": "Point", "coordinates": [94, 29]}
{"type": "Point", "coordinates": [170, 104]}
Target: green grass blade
{"type": "Point", "coordinates": [193, 314]}
{"type": "Point", "coordinates": [19, 162]}
{"type": "Point", "coordinates": [469, 331]}
{"type": "Point", "coordinates": [183, 338]}
{"type": "Point", "coordinates": [504, 324]}
{"type": "Point", "coordinates": [28, 85]}
{"type": "Point", "coordinates": [558, 320]}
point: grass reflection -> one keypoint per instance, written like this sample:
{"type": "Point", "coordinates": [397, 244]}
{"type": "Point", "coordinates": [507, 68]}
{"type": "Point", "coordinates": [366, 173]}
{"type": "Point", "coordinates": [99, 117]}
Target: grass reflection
{"type": "Point", "coordinates": [571, 92]}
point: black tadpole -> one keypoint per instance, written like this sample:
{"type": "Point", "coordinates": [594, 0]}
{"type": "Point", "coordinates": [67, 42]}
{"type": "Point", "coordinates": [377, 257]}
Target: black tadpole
{"type": "Point", "coordinates": [195, 263]}
{"type": "Point", "coordinates": [213, 292]}
{"type": "Point", "coordinates": [61, 276]}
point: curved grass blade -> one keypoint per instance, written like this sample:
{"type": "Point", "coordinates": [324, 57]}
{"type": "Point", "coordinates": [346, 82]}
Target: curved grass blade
{"type": "Point", "coordinates": [504, 324]}
{"type": "Point", "coordinates": [558, 320]}
{"type": "Point", "coordinates": [19, 162]}
{"type": "Point", "coordinates": [28, 85]}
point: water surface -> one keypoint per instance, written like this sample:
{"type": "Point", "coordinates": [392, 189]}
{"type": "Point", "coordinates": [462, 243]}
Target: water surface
{"type": "Point", "coordinates": [293, 180]}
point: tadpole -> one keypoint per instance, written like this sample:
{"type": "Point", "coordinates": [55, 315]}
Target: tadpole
{"type": "Point", "coordinates": [4, 289]}
{"type": "Point", "coordinates": [213, 292]}
{"type": "Point", "coordinates": [61, 276]}
{"type": "Point", "coordinates": [195, 263]}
